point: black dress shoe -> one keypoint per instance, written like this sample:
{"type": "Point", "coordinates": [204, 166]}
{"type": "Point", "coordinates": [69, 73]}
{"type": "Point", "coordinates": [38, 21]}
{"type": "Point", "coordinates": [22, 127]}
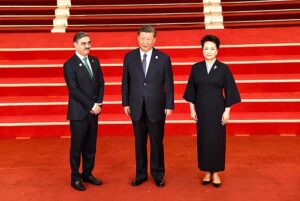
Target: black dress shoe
{"type": "Point", "coordinates": [78, 185]}
{"type": "Point", "coordinates": [160, 183]}
{"type": "Point", "coordinates": [92, 180]}
{"type": "Point", "coordinates": [217, 185]}
{"type": "Point", "coordinates": [137, 182]}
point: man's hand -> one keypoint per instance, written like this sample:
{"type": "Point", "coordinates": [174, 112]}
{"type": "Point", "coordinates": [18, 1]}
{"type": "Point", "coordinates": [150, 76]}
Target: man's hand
{"type": "Point", "coordinates": [168, 112]}
{"type": "Point", "coordinates": [127, 110]}
{"type": "Point", "coordinates": [96, 109]}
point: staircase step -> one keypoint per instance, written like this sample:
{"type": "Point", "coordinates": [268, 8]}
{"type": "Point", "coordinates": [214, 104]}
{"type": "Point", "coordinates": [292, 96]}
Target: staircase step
{"type": "Point", "coordinates": [22, 10]}
{"type": "Point", "coordinates": [175, 38]}
{"type": "Point", "coordinates": [122, 2]}
{"type": "Point", "coordinates": [177, 124]}
{"type": "Point", "coordinates": [183, 68]}
{"type": "Point", "coordinates": [133, 27]}
{"type": "Point", "coordinates": [28, 2]}
{"type": "Point", "coordinates": [116, 108]}
{"type": "Point", "coordinates": [191, 52]}
{"type": "Point", "coordinates": [116, 80]}
{"type": "Point", "coordinates": [25, 28]}
{"type": "Point", "coordinates": [57, 87]}
{"type": "Point", "coordinates": [261, 15]}
{"type": "Point", "coordinates": [258, 5]}
{"type": "Point", "coordinates": [61, 90]}
{"type": "Point", "coordinates": [246, 97]}
{"type": "Point", "coordinates": [24, 20]}
{"type": "Point", "coordinates": [262, 23]}
{"type": "Point", "coordinates": [94, 20]}
{"type": "Point", "coordinates": [135, 9]}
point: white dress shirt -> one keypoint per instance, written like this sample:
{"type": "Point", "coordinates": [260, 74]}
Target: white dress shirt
{"type": "Point", "coordinates": [81, 58]}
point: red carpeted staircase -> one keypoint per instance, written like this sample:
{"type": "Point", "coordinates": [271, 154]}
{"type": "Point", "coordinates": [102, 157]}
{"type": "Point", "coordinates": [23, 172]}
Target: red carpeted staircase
{"type": "Point", "coordinates": [93, 15]}
{"type": "Point", "coordinates": [129, 15]}
{"type": "Point", "coordinates": [265, 63]}
{"type": "Point", "coordinates": [260, 13]}
{"type": "Point", "coordinates": [27, 15]}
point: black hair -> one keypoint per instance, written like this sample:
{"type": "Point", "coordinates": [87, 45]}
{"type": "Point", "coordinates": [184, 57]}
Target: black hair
{"type": "Point", "coordinates": [147, 29]}
{"type": "Point", "coordinates": [211, 38]}
{"type": "Point", "coordinates": [79, 35]}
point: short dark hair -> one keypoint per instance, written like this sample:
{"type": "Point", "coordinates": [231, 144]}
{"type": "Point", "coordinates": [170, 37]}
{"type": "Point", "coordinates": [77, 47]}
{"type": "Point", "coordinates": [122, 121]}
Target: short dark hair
{"type": "Point", "coordinates": [211, 38]}
{"type": "Point", "coordinates": [147, 29]}
{"type": "Point", "coordinates": [80, 35]}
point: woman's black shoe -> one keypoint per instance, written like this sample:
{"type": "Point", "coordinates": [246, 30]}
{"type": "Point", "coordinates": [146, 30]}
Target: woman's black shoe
{"type": "Point", "coordinates": [217, 185]}
{"type": "Point", "coordinates": [205, 182]}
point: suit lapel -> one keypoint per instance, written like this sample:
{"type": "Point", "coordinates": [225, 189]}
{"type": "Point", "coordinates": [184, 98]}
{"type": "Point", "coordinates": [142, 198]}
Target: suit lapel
{"type": "Point", "coordinates": [152, 64]}
{"type": "Point", "coordinates": [93, 63]}
{"type": "Point", "coordinates": [214, 67]}
{"type": "Point", "coordinates": [139, 62]}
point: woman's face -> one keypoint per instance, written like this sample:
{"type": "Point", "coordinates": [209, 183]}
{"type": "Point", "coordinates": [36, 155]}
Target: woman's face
{"type": "Point", "coordinates": [210, 50]}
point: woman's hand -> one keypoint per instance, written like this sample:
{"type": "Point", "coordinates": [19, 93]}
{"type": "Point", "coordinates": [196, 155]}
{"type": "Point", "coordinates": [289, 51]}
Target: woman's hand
{"type": "Point", "coordinates": [193, 112]}
{"type": "Point", "coordinates": [225, 116]}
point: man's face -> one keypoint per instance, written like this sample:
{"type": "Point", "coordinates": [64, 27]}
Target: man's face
{"type": "Point", "coordinates": [83, 46]}
{"type": "Point", "coordinates": [146, 41]}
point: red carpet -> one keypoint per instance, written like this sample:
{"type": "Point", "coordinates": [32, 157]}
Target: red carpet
{"type": "Point", "coordinates": [257, 168]}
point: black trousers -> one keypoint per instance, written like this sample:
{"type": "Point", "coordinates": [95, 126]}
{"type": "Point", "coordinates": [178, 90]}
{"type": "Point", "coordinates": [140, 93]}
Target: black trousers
{"type": "Point", "coordinates": [156, 133]}
{"type": "Point", "coordinates": [83, 144]}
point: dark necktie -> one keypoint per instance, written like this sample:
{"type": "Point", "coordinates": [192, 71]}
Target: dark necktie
{"type": "Point", "coordinates": [144, 63]}
{"type": "Point", "coordinates": [87, 66]}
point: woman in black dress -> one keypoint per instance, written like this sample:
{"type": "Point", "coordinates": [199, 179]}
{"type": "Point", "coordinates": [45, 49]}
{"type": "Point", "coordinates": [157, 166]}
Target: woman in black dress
{"type": "Point", "coordinates": [211, 90]}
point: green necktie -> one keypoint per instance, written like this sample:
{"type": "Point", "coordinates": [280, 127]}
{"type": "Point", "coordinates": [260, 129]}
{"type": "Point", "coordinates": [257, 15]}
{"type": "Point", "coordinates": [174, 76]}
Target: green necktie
{"type": "Point", "coordinates": [87, 66]}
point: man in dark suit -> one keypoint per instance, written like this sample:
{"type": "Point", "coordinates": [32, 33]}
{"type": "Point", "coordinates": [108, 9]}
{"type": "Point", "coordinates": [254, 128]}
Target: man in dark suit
{"type": "Point", "coordinates": [85, 83]}
{"type": "Point", "coordinates": [148, 97]}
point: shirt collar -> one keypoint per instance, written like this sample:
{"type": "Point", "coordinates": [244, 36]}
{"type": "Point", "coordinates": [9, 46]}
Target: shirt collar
{"type": "Point", "coordinates": [80, 56]}
{"type": "Point", "coordinates": [149, 53]}
{"type": "Point", "coordinates": [210, 64]}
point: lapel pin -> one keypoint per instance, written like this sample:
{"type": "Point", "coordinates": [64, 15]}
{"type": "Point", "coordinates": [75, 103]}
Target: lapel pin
{"type": "Point", "coordinates": [215, 67]}
{"type": "Point", "coordinates": [92, 61]}
{"type": "Point", "coordinates": [156, 57]}
{"type": "Point", "coordinates": [80, 64]}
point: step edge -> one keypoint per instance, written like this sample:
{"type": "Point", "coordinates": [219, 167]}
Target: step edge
{"type": "Point", "coordinates": [178, 101]}
{"type": "Point", "coordinates": [173, 63]}
{"type": "Point", "coordinates": [103, 122]}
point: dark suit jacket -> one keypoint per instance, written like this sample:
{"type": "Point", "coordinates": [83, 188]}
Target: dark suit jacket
{"type": "Point", "coordinates": [84, 91]}
{"type": "Point", "coordinates": [156, 89]}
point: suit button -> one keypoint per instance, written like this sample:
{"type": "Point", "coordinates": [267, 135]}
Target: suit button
{"type": "Point", "coordinates": [145, 84]}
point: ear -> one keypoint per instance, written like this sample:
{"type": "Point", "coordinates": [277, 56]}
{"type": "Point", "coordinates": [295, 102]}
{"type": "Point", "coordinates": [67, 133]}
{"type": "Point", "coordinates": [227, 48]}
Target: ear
{"type": "Point", "coordinates": [75, 44]}
{"type": "Point", "coordinates": [154, 40]}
